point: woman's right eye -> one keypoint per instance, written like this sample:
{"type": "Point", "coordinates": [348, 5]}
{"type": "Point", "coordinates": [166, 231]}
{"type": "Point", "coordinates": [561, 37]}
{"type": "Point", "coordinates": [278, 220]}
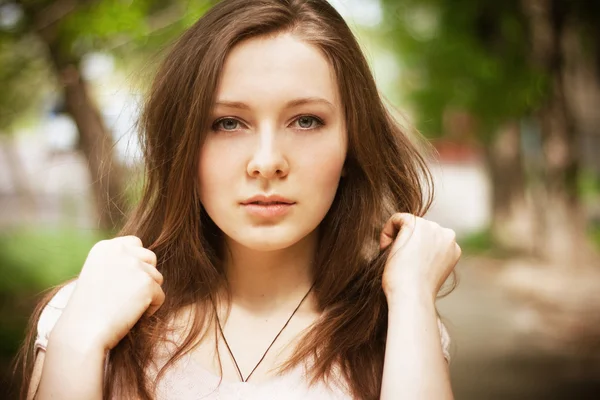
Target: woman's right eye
{"type": "Point", "coordinates": [226, 124]}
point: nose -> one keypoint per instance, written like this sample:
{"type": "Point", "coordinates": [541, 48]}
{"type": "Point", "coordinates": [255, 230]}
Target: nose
{"type": "Point", "coordinates": [268, 160]}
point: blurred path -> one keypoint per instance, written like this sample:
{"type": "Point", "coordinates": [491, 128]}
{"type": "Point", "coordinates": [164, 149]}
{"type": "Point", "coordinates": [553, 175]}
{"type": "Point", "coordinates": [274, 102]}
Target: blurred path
{"type": "Point", "coordinates": [491, 359]}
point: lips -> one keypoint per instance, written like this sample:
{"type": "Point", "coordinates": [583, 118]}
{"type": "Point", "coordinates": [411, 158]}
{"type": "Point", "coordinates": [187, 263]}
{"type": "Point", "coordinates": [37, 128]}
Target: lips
{"type": "Point", "coordinates": [268, 200]}
{"type": "Point", "coordinates": [267, 203]}
{"type": "Point", "coordinates": [269, 207]}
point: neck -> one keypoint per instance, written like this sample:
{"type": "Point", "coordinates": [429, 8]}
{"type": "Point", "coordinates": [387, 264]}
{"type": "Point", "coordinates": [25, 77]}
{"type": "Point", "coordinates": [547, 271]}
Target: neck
{"type": "Point", "coordinates": [264, 281]}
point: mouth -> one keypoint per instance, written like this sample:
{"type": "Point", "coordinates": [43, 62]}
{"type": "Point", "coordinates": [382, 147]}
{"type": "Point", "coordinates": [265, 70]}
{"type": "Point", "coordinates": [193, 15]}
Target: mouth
{"type": "Point", "coordinates": [268, 208]}
{"type": "Point", "coordinates": [270, 200]}
{"type": "Point", "coordinates": [269, 203]}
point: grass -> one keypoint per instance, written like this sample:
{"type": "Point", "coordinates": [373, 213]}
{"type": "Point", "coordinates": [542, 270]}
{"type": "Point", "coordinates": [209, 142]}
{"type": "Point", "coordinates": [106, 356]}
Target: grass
{"type": "Point", "coordinates": [482, 242]}
{"type": "Point", "coordinates": [31, 261]}
{"type": "Point", "coordinates": [34, 259]}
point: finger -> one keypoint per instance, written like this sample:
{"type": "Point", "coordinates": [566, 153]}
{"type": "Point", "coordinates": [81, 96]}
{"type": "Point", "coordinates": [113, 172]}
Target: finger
{"type": "Point", "coordinates": [458, 250]}
{"type": "Point", "coordinates": [147, 256]}
{"type": "Point", "coordinates": [390, 230]}
{"type": "Point", "coordinates": [395, 225]}
{"type": "Point", "coordinates": [153, 272]}
{"type": "Point", "coordinates": [130, 240]}
{"type": "Point", "coordinates": [158, 298]}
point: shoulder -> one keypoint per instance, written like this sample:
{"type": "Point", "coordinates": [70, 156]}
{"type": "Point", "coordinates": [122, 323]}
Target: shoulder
{"type": "Point", "coordinates": [51, 313]}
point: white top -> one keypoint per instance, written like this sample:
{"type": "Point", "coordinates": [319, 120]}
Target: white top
{"type": "Point", "coordinates": [187, 380]}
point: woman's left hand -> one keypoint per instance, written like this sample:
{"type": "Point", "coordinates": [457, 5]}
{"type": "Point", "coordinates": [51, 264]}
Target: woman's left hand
{"type": "Point", "coordinates": [422, 256]}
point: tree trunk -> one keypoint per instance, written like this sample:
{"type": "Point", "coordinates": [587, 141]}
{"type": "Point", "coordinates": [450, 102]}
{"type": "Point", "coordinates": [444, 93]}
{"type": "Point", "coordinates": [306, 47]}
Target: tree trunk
{"type": "Point", "coordinates": [511, 213]}
{"type": "Point", "coordinates": [97, 145]}
{"type": "Point", "coordinates": [563, 223]}
{"type": "Point", "coordinates": [94, 138]}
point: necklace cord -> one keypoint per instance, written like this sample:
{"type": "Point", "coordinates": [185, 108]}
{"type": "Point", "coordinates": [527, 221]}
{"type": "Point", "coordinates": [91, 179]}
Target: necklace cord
{"type": "Point", "coordinates": [268, 348]}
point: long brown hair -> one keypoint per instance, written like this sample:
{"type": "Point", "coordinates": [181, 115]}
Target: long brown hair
{"type": "Point", "coordinates": [384, 173]}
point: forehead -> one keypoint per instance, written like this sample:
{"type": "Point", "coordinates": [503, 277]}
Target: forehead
{"type": "Point", "coordinates": [276, 67]}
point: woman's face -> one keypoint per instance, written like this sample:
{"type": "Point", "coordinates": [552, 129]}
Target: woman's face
{"type": "Point", "coordinates": [271, 164]}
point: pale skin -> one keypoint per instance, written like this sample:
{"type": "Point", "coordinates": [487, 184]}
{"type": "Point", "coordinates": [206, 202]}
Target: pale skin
{"type": "Point", "coordinates": [279, 128]}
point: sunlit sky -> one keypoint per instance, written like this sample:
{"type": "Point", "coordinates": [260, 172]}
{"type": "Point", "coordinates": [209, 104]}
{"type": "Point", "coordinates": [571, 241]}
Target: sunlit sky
{"type": "Point", "coordinates": [361, 12]}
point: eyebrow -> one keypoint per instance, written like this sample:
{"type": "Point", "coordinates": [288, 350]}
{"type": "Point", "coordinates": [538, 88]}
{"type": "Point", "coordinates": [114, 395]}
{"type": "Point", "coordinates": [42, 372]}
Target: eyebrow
{"type": "Point", "coordinates": [292, 103]}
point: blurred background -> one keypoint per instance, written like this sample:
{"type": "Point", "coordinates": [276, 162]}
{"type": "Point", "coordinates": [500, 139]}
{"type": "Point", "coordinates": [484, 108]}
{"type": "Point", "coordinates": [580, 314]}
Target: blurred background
{"type": "Point", "coordinates": [507, 91]}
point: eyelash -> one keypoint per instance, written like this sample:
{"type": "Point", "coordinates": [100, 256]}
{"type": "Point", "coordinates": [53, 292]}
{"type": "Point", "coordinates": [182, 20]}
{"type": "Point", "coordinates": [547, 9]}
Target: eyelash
{"type": "Point", "coordinates": [319, 123]}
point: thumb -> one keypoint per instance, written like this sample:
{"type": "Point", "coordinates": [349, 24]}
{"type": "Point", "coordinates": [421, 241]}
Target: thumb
{"type": "Point", "coordinates": [399, 227]}
{"type": "Point", "coordinates": [158, 298]}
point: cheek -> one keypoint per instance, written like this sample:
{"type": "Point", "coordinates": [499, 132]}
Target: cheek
{"type": "Point", "coordinates": [206, 174]}
{"type": "Point", "coordinates": [326, 173]}
{"type": "Point", "coordinates": [323, 163]}
{"type": "Point", "coordinates": [215, 168]}
{"type": "Point", "coordinates": [321, 173]}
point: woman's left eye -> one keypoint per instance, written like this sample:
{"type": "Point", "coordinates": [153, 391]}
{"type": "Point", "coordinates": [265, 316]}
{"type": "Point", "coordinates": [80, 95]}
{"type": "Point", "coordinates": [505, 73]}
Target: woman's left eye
{"type": "Point", "coordinates": [308, 122]}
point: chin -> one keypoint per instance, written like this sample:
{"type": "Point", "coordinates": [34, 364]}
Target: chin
{"type": "Point", "coordinates": [267, 242]}
{"type": "Point", "coordinates": [269, 238]}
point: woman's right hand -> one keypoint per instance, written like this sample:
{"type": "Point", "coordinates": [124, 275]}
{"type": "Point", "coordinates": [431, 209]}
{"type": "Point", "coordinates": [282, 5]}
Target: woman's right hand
{"type": "Point", "coordinates": [118, 283]}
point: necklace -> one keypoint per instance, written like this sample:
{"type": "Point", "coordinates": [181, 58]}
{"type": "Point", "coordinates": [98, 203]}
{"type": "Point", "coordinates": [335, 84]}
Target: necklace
{"type": "Point", "coordinates": [268, 348]}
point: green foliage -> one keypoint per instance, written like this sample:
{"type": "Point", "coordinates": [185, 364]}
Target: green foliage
{"type": "Point", "coordinates": [127, 26]}
{"type": "Point", "coordinates": [103, 20]}
{"type": "Point", "coordinates": [23, 79]}
{"type": "Point", "coordinates": [482, 243]}
{"type": "Point", "coordinates": [466, 55]}
{"type": "Point", "coordinates": [477, 242]}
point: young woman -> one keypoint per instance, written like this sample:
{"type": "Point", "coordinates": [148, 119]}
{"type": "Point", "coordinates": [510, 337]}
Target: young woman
{"type": "Point", "coordinates": [278, 251]}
